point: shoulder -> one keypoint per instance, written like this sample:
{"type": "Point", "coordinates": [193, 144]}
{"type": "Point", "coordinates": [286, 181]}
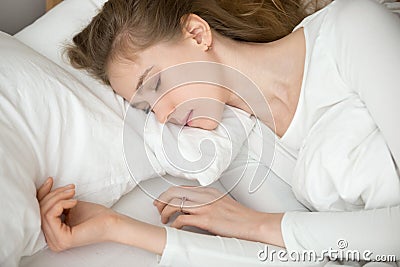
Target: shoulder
{"type": "Point", "coordinates": [348, 17]}
{"type": "Point", "coordinates": [361, 27]}
{"type": "Point", "coordinates": [361, 17]}
{"type": "Point", "coordinates": [354, 7]}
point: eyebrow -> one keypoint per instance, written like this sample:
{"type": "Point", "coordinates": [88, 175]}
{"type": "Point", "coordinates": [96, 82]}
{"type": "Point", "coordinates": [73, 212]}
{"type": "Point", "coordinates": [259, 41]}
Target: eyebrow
{"type": "Point", "coordinates": [141, 78]}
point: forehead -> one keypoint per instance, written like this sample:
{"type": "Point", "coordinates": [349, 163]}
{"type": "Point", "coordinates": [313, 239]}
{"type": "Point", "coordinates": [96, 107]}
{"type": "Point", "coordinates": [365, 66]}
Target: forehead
{"type": "Point", "coordinates": [122, 69]}
{"type": "Point", "coordinates": [123, 76]}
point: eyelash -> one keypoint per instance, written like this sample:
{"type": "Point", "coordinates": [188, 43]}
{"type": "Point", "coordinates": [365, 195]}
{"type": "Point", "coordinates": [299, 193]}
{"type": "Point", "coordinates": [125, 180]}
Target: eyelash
{"type": "Point", "coordinates": [148, 108]}
{"type": "Point", "coordinates": [157, 85]}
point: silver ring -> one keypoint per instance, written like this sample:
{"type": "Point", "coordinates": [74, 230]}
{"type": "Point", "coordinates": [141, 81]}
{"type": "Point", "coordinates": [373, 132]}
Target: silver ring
{"type": "Point", "coordinates": [182, 203]}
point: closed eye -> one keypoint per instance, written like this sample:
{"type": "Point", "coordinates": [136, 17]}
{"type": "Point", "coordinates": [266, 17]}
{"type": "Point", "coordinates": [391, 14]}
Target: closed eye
{"type": "Point", "coordinates": [147, 109]}
{"type": "Point", "coordinates": [151, 85]}
{"type": "Point", "coordinates": [157, 85]}
{"type": "Point", "coordinates": [145, 106]}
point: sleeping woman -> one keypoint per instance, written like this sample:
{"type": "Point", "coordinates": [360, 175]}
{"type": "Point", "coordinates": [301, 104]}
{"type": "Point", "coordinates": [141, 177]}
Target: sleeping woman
{"type": "Point", "coordinates": [331, 83]}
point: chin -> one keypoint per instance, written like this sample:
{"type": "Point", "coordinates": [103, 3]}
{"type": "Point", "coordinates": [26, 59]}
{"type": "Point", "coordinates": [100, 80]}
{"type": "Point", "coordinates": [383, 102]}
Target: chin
{"type": "Point", "coordinates": [204, 124]}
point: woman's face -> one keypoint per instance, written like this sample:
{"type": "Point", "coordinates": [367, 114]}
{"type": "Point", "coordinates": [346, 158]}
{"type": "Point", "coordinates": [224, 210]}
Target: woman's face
{"type": "Point", "coordinates": [149, 83]}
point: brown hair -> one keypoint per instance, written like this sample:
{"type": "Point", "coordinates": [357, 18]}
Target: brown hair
{"type": "Point", "coordinates": [126, 26]}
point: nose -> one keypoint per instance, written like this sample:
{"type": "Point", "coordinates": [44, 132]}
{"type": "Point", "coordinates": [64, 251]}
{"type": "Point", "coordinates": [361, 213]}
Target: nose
{"type": "Point", "coordinates": [160, 117]}
{"type": "Point", "coordinates": [161, 113]}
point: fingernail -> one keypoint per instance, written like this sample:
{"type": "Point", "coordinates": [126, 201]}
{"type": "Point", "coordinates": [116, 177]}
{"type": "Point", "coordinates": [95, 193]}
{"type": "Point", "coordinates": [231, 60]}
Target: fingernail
{"type": "Point", "coordinates": [68, 191]}
{"type": "Point", "coordinates": [47, 181]}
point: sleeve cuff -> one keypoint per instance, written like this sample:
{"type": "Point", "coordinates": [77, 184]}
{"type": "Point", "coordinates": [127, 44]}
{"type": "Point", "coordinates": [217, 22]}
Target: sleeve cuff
{"type": "Point", "coordinates": [288, 227]}
{"type": "Point", "coordinates": [170, 250]}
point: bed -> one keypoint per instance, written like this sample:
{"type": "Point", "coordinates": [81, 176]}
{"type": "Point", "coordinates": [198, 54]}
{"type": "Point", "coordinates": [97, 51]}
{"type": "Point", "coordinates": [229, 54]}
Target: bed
{"type": "Point", "coordinates": [24, 167]}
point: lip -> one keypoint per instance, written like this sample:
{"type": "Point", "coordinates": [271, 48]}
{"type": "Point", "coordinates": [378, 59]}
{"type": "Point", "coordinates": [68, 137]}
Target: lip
{"type": "Point", "coordinates": [188, 117]}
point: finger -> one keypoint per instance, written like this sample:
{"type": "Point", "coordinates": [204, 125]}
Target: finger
{"type": "Point", "coordinates": [60, 206]}
{"type": "Point", "coordinates": [187, 207]}
{"type": "Point", "coordinates": [177, 192]}
{"type": "Point", "coordinates": [52, 217]}
{"type": "Point", "coordinates": [44, 189]}
{"type": "Point", "coordinates": [53, 228]}
{"type": "Point", "coordinates": [51, 199]}
{"type": "Point", "coordinates": [46, 218]}
{"type": "Point", "coordinates": [168, 210]}
{"type": "Point", "coordinates": [189, 220]}
{"type": "Point", "coordinates": [55, 192]}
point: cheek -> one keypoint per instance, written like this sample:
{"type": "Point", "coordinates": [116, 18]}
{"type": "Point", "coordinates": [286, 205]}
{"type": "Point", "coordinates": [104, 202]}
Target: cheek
{"type": "Point", "coordinates": [163, 108]}
{"type": "Point", "coordinates": [206, 124]}
{"type": "Point", "coordinates": [197, 93]}
{"type": "Point", "coordinates": [205, 101]}
{"type": "Point", "coordinates": [207, 114]}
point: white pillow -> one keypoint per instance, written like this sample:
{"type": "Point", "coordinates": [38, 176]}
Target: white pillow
{"type": "Point", "coordinates": [194, 153]}
{"type": "Point", "coordinates": [51, 125]}
{"type": "Point", "coordinates": [53, 31]}
{"type": "Point", "coordinates": [50, 33]}
{"type": "Point", "coordinates": [56, 28]}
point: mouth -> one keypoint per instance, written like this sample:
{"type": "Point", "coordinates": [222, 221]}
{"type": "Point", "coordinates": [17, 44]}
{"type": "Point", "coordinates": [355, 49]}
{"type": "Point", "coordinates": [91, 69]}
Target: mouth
{"type": "Point", "coordinates": [188, 118]}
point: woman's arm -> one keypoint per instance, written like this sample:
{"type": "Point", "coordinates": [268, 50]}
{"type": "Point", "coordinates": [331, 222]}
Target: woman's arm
{"type": "Point", "coordinates": [87, 223]}
{"type": "Point", "coordinates": [216, 212]}
{"type": "Point", "coordinates": [368, 57]}
{"type": "Point", "coordinates": [377, 231]}
{"type": "Point", "coordinates": [128, 231]}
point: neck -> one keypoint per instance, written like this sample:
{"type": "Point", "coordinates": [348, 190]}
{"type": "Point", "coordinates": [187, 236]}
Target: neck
{"type": "Point", "coordinates": [275, 68]}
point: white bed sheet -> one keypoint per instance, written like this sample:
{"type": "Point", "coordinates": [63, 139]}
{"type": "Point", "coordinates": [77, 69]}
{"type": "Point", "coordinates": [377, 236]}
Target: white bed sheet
{"type": "Point", "coordinates": [137, 204]}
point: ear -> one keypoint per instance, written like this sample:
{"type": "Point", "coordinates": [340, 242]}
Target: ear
{"type": "Point", "coordinates": [198, 30]}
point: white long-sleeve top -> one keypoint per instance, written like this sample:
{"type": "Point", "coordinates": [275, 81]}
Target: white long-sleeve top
{"type": "Point", "coordinates": [348, 125]}
{"type": "Point", "coordinates": [343, 162]}
{"type": "Point", "coordinates": [352, 64]}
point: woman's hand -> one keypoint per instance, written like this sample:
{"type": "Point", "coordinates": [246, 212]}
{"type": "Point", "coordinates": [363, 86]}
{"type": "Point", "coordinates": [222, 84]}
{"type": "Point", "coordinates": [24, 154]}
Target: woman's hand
{"type": "Point", "coordinates": [209, 209]}
{"type": "Point", "coordinates": [85, 223]}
